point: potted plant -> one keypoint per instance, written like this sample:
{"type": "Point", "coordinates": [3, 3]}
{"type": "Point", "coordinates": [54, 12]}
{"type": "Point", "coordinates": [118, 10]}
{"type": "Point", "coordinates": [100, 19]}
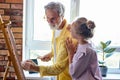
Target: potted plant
{"type": "Point", "coordinates": [106, 52]}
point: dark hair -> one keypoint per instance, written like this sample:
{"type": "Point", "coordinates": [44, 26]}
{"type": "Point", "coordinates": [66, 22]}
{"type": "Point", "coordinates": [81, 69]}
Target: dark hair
{"type": "Point", "coordinates": [56, 6]}
{"type": "Point", "coordinates": [85, 29]}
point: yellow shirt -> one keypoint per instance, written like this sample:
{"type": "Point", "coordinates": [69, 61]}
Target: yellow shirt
{"type": "Point", "coordinates": [61, 67]}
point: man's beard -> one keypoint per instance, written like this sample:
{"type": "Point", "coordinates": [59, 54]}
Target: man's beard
{"type": "Point", "coordinates": [56, 26]}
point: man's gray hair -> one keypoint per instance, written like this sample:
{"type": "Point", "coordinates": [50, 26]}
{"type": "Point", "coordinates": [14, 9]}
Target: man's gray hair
{"type": "Point", "coordinates": [56, 6]}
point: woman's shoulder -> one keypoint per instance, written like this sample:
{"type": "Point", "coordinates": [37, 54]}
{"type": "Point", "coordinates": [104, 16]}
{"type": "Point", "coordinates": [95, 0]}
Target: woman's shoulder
{"type": "Point", "coordinates": [90, 50]}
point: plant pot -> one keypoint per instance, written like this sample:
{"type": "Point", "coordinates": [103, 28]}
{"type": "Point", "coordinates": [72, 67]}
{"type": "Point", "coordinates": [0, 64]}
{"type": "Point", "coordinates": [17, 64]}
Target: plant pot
{"type": "Point", "coordinates": [103, 70]}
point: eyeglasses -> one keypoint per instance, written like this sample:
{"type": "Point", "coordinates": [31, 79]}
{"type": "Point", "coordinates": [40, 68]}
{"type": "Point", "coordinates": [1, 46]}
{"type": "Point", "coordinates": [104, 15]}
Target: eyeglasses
{"type": "Point", "coordinates": [51, 19]}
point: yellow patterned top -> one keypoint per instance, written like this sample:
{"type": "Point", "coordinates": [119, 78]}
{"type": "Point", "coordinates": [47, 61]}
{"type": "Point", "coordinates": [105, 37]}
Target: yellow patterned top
{"type": "Point", "coordinates": [61, 66]}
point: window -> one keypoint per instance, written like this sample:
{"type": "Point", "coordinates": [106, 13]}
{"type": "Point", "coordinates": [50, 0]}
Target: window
{"type": "Point", "coordinates": [37, 33]}
{"type": "Point", "coordinates": [105, 13]}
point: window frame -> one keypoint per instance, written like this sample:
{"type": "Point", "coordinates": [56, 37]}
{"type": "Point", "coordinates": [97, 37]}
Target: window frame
{"type": "Point", "coordinates": [28, 41]}
{"type": "Point", "coordinates": [112, 70]}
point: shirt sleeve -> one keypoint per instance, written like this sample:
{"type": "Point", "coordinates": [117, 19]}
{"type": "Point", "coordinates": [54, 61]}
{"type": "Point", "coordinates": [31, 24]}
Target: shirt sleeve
{"type": "Point", "coordinates": [61, 62]}
{"type": "Point", "coordinates": [95, 67]}
{"type": "Point", "coordinates": [79, 66]}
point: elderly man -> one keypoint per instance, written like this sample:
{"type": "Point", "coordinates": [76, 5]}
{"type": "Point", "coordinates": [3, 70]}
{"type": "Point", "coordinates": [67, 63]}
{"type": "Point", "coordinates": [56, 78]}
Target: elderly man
{"type": "Point", "coordinates": [54, 12]}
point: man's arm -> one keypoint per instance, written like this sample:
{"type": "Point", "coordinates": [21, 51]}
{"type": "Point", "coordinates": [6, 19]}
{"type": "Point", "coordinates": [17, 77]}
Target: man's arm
{"type": "Point", "coordinates": [46, 57]}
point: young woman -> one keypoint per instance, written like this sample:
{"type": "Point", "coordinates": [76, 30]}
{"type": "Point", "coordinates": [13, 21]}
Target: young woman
{"type": "Point", "coordinates": [83, 62]}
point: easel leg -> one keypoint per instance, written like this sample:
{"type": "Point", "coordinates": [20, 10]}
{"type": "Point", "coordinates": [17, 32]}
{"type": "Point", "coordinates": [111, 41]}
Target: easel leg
{"type": "Point", "coordinates": [13, 53]}
{"type": "Point", "coordinates": [6, 70]}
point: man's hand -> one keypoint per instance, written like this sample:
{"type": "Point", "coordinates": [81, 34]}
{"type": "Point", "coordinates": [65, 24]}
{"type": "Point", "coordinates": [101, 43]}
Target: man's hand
{"type": "Point", "coordinates": [29, 65]}
{"type": "Point", "coordinates": [45, 58]}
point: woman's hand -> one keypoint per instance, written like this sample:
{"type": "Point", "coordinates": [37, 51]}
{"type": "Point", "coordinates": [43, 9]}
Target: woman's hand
{"type": "Point", "coordinates": [71, 48]}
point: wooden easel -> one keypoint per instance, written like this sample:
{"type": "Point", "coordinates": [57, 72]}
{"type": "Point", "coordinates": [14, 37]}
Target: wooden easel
{"type": "Point", "coordinates": [12, 55]}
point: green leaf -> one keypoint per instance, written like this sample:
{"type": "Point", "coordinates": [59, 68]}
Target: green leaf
{"type": "Point", "coordinates": [101, 62]}
{"type": "Point", "coordinates": [108, 55]}
{"type": "Point", "coordinates": [103, 45]}
{"type": "Point", "coordinates": [97, 51]}
{"type": "Point", "coordinates": [109, 50]}
{"type": "Point", "coordinates": [108, 43]}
